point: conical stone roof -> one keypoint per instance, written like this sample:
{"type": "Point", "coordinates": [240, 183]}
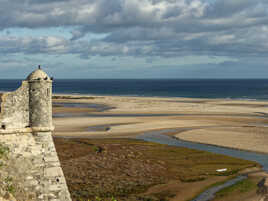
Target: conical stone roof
{"type": "Point", "coordinates": [38, 74]}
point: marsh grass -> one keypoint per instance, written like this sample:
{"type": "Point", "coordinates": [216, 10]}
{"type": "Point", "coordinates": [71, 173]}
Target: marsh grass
{"type": "Point", "coordinates": [127, 168]}
{"type": "Point", "coordinates": [240, 187]}
{"type": "Point", "coordinates": [193, 165]}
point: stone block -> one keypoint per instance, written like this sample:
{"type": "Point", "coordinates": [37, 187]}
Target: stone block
{"type": "Point", "coordinates": [55, 188]}
{"type": "Point", "coordinates": [53, 172]}
{"type": "Point", "coordinates": [51, 159]}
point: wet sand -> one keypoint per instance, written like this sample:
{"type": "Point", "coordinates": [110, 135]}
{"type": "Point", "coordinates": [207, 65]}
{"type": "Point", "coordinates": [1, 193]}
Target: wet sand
{"type": "Point", "coordinates": [240, 124]}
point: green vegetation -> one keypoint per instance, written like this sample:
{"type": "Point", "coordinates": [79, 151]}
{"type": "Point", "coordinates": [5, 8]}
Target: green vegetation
{"type": "Point", "coordinates": [190, 165]}
{"type": "Point", "coordinates": [3, 151]}
{"type": "Point", "coordinates": [210, 186]}
{"type": "Point", "coordinates": [7, 182]}
{"type": "Point", "coordinates": [240, 187]}
{"type": "Point", "coordinates": [3, 154]}
{"type": "Point", "coordinates": [9, 185]}
{"type": "Point", "coordinates": [97, 149]}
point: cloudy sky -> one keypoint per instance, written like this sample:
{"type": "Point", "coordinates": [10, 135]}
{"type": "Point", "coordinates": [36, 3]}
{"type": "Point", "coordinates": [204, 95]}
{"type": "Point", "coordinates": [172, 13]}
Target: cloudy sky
{"type": "Point", "coordinates": [135, 38]}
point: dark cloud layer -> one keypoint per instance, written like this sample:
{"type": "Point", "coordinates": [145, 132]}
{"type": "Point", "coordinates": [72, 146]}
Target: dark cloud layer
{"type": "Point", "coordinates": [143, 28]}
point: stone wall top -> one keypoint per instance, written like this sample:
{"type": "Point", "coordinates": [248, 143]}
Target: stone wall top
{"type": "Point", "coordinates": [15, 108]}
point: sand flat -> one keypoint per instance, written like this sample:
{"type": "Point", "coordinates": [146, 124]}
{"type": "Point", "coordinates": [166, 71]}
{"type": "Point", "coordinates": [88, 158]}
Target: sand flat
{"type": "Point", "coordinates": [231, 123]}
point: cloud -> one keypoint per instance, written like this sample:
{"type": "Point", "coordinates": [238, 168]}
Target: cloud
{"type": "Point", "coordinates": [29, 45]}
{"type": "Point", "coordinates": [139, 28]}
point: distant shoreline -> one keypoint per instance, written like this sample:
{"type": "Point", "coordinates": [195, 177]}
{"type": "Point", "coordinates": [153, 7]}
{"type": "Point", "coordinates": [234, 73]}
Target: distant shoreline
{"type": "Point", "coordinates": [88, 96]}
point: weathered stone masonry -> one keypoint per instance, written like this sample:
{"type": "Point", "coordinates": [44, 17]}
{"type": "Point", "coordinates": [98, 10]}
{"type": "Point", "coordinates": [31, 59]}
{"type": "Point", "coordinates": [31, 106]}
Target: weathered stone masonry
{"type": "Point", "coordinates": [26, 129]}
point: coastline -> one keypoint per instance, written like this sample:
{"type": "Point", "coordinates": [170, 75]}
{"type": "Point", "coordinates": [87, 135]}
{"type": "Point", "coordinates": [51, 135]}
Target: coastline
{"type": "Point", "coordinates": [88, 95]}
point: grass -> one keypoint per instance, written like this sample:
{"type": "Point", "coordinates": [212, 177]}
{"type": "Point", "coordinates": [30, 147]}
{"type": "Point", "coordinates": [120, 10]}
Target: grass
{"type": "Point", "coordinates": [3, 151]}
{"type": "Point", "coordinates": [192, 165]}
{"type": "Point", "coordinates": [9, 187]}
{"type": "Point", "coordinates": [7, 183]}
{"type": "Point", "coordinates": [238, 188]}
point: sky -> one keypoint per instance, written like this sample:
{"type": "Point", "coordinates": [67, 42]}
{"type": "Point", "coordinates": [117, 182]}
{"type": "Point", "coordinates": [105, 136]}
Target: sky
{"type": "Point", "coordinates": [100, 39]}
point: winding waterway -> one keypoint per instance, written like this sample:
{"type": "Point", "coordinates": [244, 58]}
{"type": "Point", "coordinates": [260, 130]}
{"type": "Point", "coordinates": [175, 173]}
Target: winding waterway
{"type": "Point", "coordinates": [160, 137]}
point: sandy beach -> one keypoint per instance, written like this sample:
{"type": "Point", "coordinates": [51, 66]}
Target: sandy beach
{"type": "Point", "coordinates": [240, 124]}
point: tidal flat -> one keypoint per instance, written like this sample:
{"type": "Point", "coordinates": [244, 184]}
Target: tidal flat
{"type": "Point", "coordinates": [99, 158]}
{"type": "Point", "coordinates": [241, 124]}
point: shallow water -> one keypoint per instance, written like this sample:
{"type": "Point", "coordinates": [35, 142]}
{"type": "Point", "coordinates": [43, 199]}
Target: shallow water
{"type": "Point", "coordinates": [97, 128]}
{"type": "Point", "coordinates": [148, 115]}
{"type": "Point", "coordinates": [112, 115]}
{"type": "Point", "coordinates": [157, 136]}
{"type": "Point", "coordinates": [96, 106]}
{"type": "Point", "coordinates": [209, 194]}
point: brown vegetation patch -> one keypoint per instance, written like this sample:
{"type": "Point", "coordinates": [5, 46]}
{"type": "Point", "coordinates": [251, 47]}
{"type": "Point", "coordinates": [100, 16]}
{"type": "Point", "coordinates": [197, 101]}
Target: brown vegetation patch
{"type": "Point", "coordinates": [126, 169]}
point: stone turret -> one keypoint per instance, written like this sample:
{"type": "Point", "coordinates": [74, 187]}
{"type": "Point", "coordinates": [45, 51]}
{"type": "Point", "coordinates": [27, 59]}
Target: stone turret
{"type": "Point", "coordinates": [40, 99]}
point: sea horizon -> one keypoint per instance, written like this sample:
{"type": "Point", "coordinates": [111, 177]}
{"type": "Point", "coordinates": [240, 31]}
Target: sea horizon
{"type": "Point", "coordinates": [240, 88]}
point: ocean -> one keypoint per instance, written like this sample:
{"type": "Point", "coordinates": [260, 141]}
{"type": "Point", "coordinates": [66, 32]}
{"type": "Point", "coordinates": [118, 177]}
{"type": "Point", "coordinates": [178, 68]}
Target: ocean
{"type": "Point", "coordinates": [255, 89]}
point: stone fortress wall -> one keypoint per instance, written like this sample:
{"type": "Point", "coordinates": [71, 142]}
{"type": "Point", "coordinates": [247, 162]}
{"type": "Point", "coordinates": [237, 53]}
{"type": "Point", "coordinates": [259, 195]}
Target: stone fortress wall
{"type": "Point", "coordinates": [15, 108]}
{"type": "Point", "coordinates": [31, 170]}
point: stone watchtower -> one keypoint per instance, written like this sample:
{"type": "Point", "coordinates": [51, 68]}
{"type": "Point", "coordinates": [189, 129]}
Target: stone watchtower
{"type": "Point", "coordinates": [26, 129]}
{"type": "Point", "coordinates": [40, 99]}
